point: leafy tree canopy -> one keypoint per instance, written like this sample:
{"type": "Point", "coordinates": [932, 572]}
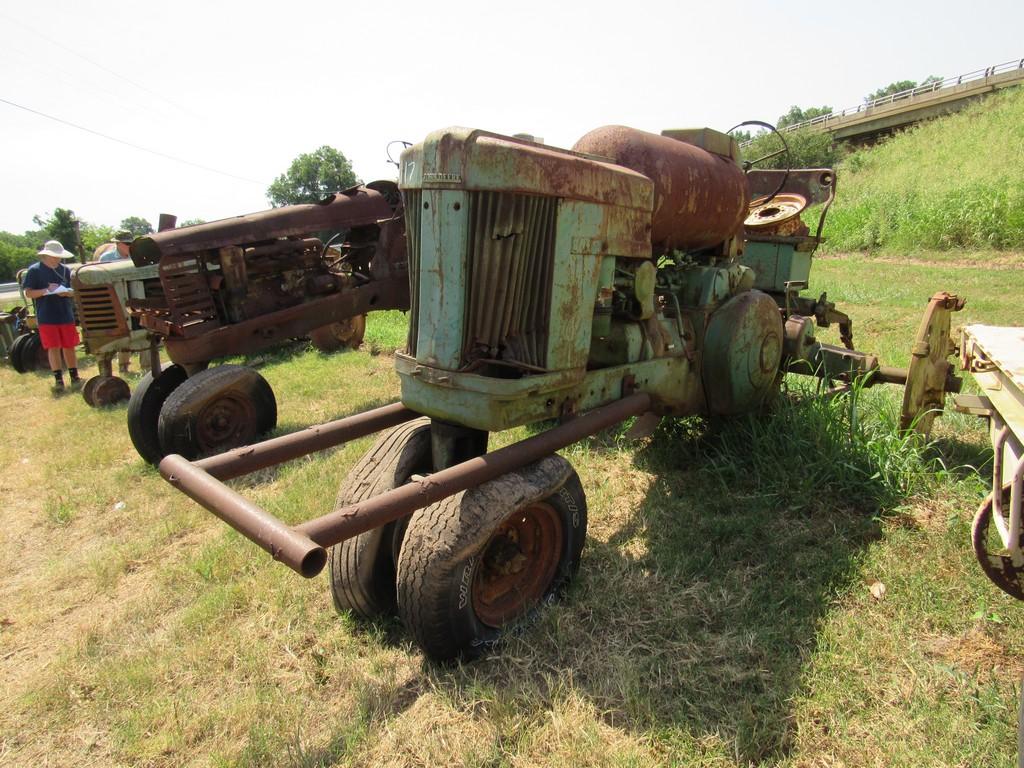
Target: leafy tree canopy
{"type": "Point", "coordinates": [95, 235]}
{"type": "Point", "coordinates": [311, 177]}
{"type": "Point", "coordinates": [62, 226]}
{"type": "Point", "coordinates": [807, 149]}
{"type": "Point", "coordinates": [137, 225]}
{"type": "Point", "coordinates": [797, 115]}
{"type": "Point", "coordinates": [899, 86]}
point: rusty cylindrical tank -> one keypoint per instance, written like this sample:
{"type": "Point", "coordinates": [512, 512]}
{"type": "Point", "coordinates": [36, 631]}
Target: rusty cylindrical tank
{"type": "Point", "coordinates": [700, 199]}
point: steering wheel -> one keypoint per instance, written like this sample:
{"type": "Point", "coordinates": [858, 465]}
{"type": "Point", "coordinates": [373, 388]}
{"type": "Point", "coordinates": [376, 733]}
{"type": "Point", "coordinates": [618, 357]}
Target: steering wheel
{"type": "Point", "coordinates": [748, 164]}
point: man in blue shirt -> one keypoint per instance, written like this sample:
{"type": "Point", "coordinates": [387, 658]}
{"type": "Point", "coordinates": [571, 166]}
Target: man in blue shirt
{"type": "Point", "coordinates": [118, 248]}
{"type": "Point", "coordinates": [48, 282]}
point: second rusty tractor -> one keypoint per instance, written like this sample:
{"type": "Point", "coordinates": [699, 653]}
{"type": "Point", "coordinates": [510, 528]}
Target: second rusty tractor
{"type": "Point", "coordinates": [241, 285]}
{"type": "Point", "coordinates": [636, 275]}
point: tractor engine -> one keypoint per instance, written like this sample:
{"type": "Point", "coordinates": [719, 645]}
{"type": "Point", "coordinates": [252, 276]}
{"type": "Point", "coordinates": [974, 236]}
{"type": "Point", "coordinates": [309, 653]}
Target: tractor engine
{"type": "Point", "coordinates": [543, 279]}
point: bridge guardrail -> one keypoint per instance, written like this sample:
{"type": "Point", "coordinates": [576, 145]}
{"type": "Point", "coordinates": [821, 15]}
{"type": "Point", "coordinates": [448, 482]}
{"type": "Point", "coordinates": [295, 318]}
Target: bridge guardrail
{"type": "Point", "coordinates": [938, 85]}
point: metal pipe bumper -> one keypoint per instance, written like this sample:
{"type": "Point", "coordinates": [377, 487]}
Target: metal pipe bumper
{"type": "Point", "coordinates": [249, 458]}
{"type": "Point", "coordinates": [302, 547]}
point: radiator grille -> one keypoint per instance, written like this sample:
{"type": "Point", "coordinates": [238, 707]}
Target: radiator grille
{"type": "Point", "coordinates": [509, 273]}
{"type": "Point", "coordinates": [413, 214]}
{"type": "Point", "coordinates": [98, 310]}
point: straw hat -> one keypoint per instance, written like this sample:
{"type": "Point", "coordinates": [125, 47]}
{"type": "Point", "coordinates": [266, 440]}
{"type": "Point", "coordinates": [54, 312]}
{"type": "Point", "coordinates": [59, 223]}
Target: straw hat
{"type": "Point", "coordinates": [54, 248]}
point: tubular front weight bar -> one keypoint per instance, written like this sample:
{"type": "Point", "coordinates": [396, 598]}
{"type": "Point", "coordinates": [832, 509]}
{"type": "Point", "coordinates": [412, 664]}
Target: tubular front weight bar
{"type": "Point", "coordinates": [303, 547]}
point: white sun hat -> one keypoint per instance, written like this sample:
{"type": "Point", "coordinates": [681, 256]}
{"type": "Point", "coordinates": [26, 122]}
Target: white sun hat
{"type": "Point", "coordinates": [54, 248]}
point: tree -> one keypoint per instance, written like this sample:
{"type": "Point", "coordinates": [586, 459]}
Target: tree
{"type": "Point", "coordinates": [312, 177]}
{"type": "Point", "coordinates": [95, 235]}
{"type": "Point", "coordinates": [191, 222]}
{"type": "Point", "coordinates": [898, 87]}
{"type": "Point", "coordinates": [137, 225]}
{"type": "Point", "coordinates": [15, 253]}
{"type": "Point", "coordinates": [797, 115]}
{"type": "Point", "coordinates": [808, 148]}
{"type": "Point", "coordinates": [61, 226]}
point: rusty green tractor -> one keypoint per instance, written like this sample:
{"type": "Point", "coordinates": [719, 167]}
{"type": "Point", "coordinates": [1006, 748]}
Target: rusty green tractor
{"type": "Point", "coordinates": [636, 275]}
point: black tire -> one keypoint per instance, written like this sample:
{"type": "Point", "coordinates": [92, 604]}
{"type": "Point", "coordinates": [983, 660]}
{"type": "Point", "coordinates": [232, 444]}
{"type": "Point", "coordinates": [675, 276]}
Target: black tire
{"type": "Point", "coordinates": [40, 357]}
{"type": "Point", "coordinates": [346, 334]}
{"type": "Point", "coordinates": [456, 549]}
{"type": "Point", "coordinates": [217, 409]}
{"type": "Point", "coordinates": [144, 410]}
{"type": "Point", "coordinates": [16, 351]}
{"type": "Point", "coordinates": [361, 570]}
{"type": "Point", "coordinates": [33, 356]}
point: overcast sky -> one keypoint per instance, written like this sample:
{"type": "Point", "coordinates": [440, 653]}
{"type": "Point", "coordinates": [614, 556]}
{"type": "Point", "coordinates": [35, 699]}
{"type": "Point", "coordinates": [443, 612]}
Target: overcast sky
{"type": "Point", "coordinates": [243, 89]}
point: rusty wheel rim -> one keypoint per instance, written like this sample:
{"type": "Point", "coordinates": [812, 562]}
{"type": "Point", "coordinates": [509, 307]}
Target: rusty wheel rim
{"type": "Point", "coordinates": [109, 390]}
{"type": "Point", "coordinates": [228, 419]}
{"type": "Point", "coordinates": [518, 564]}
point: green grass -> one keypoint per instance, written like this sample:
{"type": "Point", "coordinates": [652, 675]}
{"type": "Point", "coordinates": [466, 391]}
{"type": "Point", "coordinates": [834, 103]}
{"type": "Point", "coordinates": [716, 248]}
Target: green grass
{"type": "Point", "coordinates": [954, 182]}
{"type": "Point", "coordinates": [722, 616]}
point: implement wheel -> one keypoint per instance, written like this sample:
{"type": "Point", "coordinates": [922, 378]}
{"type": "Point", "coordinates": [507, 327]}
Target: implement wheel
{"type": "Point", "coordinates": [144, 410]}
{"type": "Point", "coordinates": [217, 409]}
{"type": "Point", "coordinates": [992, 556]}
{"type": "Point", "coordinates": [361, 570]}
{"type": "Point", "coordinates": [477, 563]}
{"type": "Point", "coordinates": [345, 334]}
{"type": "Point", "coordinates": [100, 391]}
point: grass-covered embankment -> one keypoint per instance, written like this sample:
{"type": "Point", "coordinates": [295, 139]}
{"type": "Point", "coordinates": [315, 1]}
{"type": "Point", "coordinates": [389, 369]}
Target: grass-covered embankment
{"type": "Point", "coordinates": [955, 182]}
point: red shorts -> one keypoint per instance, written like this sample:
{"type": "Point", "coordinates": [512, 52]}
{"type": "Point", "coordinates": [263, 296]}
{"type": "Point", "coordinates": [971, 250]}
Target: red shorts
{"type": "Point", "coordinates": [63, 336]}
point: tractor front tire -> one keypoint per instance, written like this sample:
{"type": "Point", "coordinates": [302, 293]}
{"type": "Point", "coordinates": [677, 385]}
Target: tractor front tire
{"type": "Point", "coordinates": [144, 410]}
{"type": "Point", "coordinates": [361, 570]}
{"type": "Point", "coordinates": [344, 334]}
{"type": "Point", "coordinates": [216, 409]}
{"type": "Point", "coordinates": [478, 563]}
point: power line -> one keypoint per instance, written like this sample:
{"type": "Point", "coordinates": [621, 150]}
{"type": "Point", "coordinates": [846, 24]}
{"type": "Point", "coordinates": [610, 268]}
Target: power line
{"type": "Point", "coordinates": [130, 144]}
{"type": "Point", "coordinates": [96, 64]}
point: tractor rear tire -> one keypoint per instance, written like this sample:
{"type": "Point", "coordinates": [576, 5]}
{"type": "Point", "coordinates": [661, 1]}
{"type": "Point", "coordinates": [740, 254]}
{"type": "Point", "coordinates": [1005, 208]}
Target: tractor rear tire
{"type": "Point", "coordinates": [33, 356]}
{"type": "Point", "coordinates": [14, 356]}
{"type": "Point", "coordinates": [144, 410]}
{"type": "Point", "coordinates": [361, 570]}
{"type": "Point", "coordinates": [217, 409]}
{"type": "Point", "coordinates": [481, 562]}
{"type": "Point", "coordinates": [345, 334]}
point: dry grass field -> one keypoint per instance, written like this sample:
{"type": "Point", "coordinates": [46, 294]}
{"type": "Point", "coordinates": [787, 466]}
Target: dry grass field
{"type": "Point", "coordinates": [723, 615]}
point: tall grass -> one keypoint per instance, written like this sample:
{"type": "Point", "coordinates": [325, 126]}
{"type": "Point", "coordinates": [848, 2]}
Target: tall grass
{"type": "Point", "coordinates": [954, 182]}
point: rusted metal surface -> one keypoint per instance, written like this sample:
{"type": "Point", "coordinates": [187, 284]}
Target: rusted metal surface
{"type": "Point", "coordinates": [291, 547]}
{"type": "Point", "coordinates": [354, 207]}
{"type": "Point", "coordinates": [998, 564]}
{"type": "Point", "coordinates": [517, 564]}
{"type": "Point", "coordinates": [700, 198]}
{"type": "Point", "coordinates": [240, 285]}
{"type": "Point", "coordinates": [242, 461]}
{"type": "Point", "coordinates": [259, 333]}
{"type": "Point", "coordinates": [930, 375]}
{"type": "Point", "coordinates": [350, 521]}
{"type": "Point", "coordinates": [301, 547]}
{"type": "Point", "coordinates": [817, 187]}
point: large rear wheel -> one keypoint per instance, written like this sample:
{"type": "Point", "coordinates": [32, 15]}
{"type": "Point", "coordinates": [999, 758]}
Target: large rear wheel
{"type": "Point", "coordinates": [15, 355]}
{"type": "Point", "coordinates": [361, 570]}
{"type": "Point", "coordinates": [478, 563]}
{"type": "Point", "coordinates": [217, 409]}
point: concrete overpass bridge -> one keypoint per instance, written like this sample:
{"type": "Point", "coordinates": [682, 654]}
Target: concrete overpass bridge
{"type": "Point", "coordinates": [865, 122]}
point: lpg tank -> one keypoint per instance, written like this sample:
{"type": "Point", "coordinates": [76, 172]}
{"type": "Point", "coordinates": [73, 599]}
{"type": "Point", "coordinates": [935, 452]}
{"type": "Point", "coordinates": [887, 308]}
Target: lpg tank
{"type": "Point", "coordinates": [700, 198]}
